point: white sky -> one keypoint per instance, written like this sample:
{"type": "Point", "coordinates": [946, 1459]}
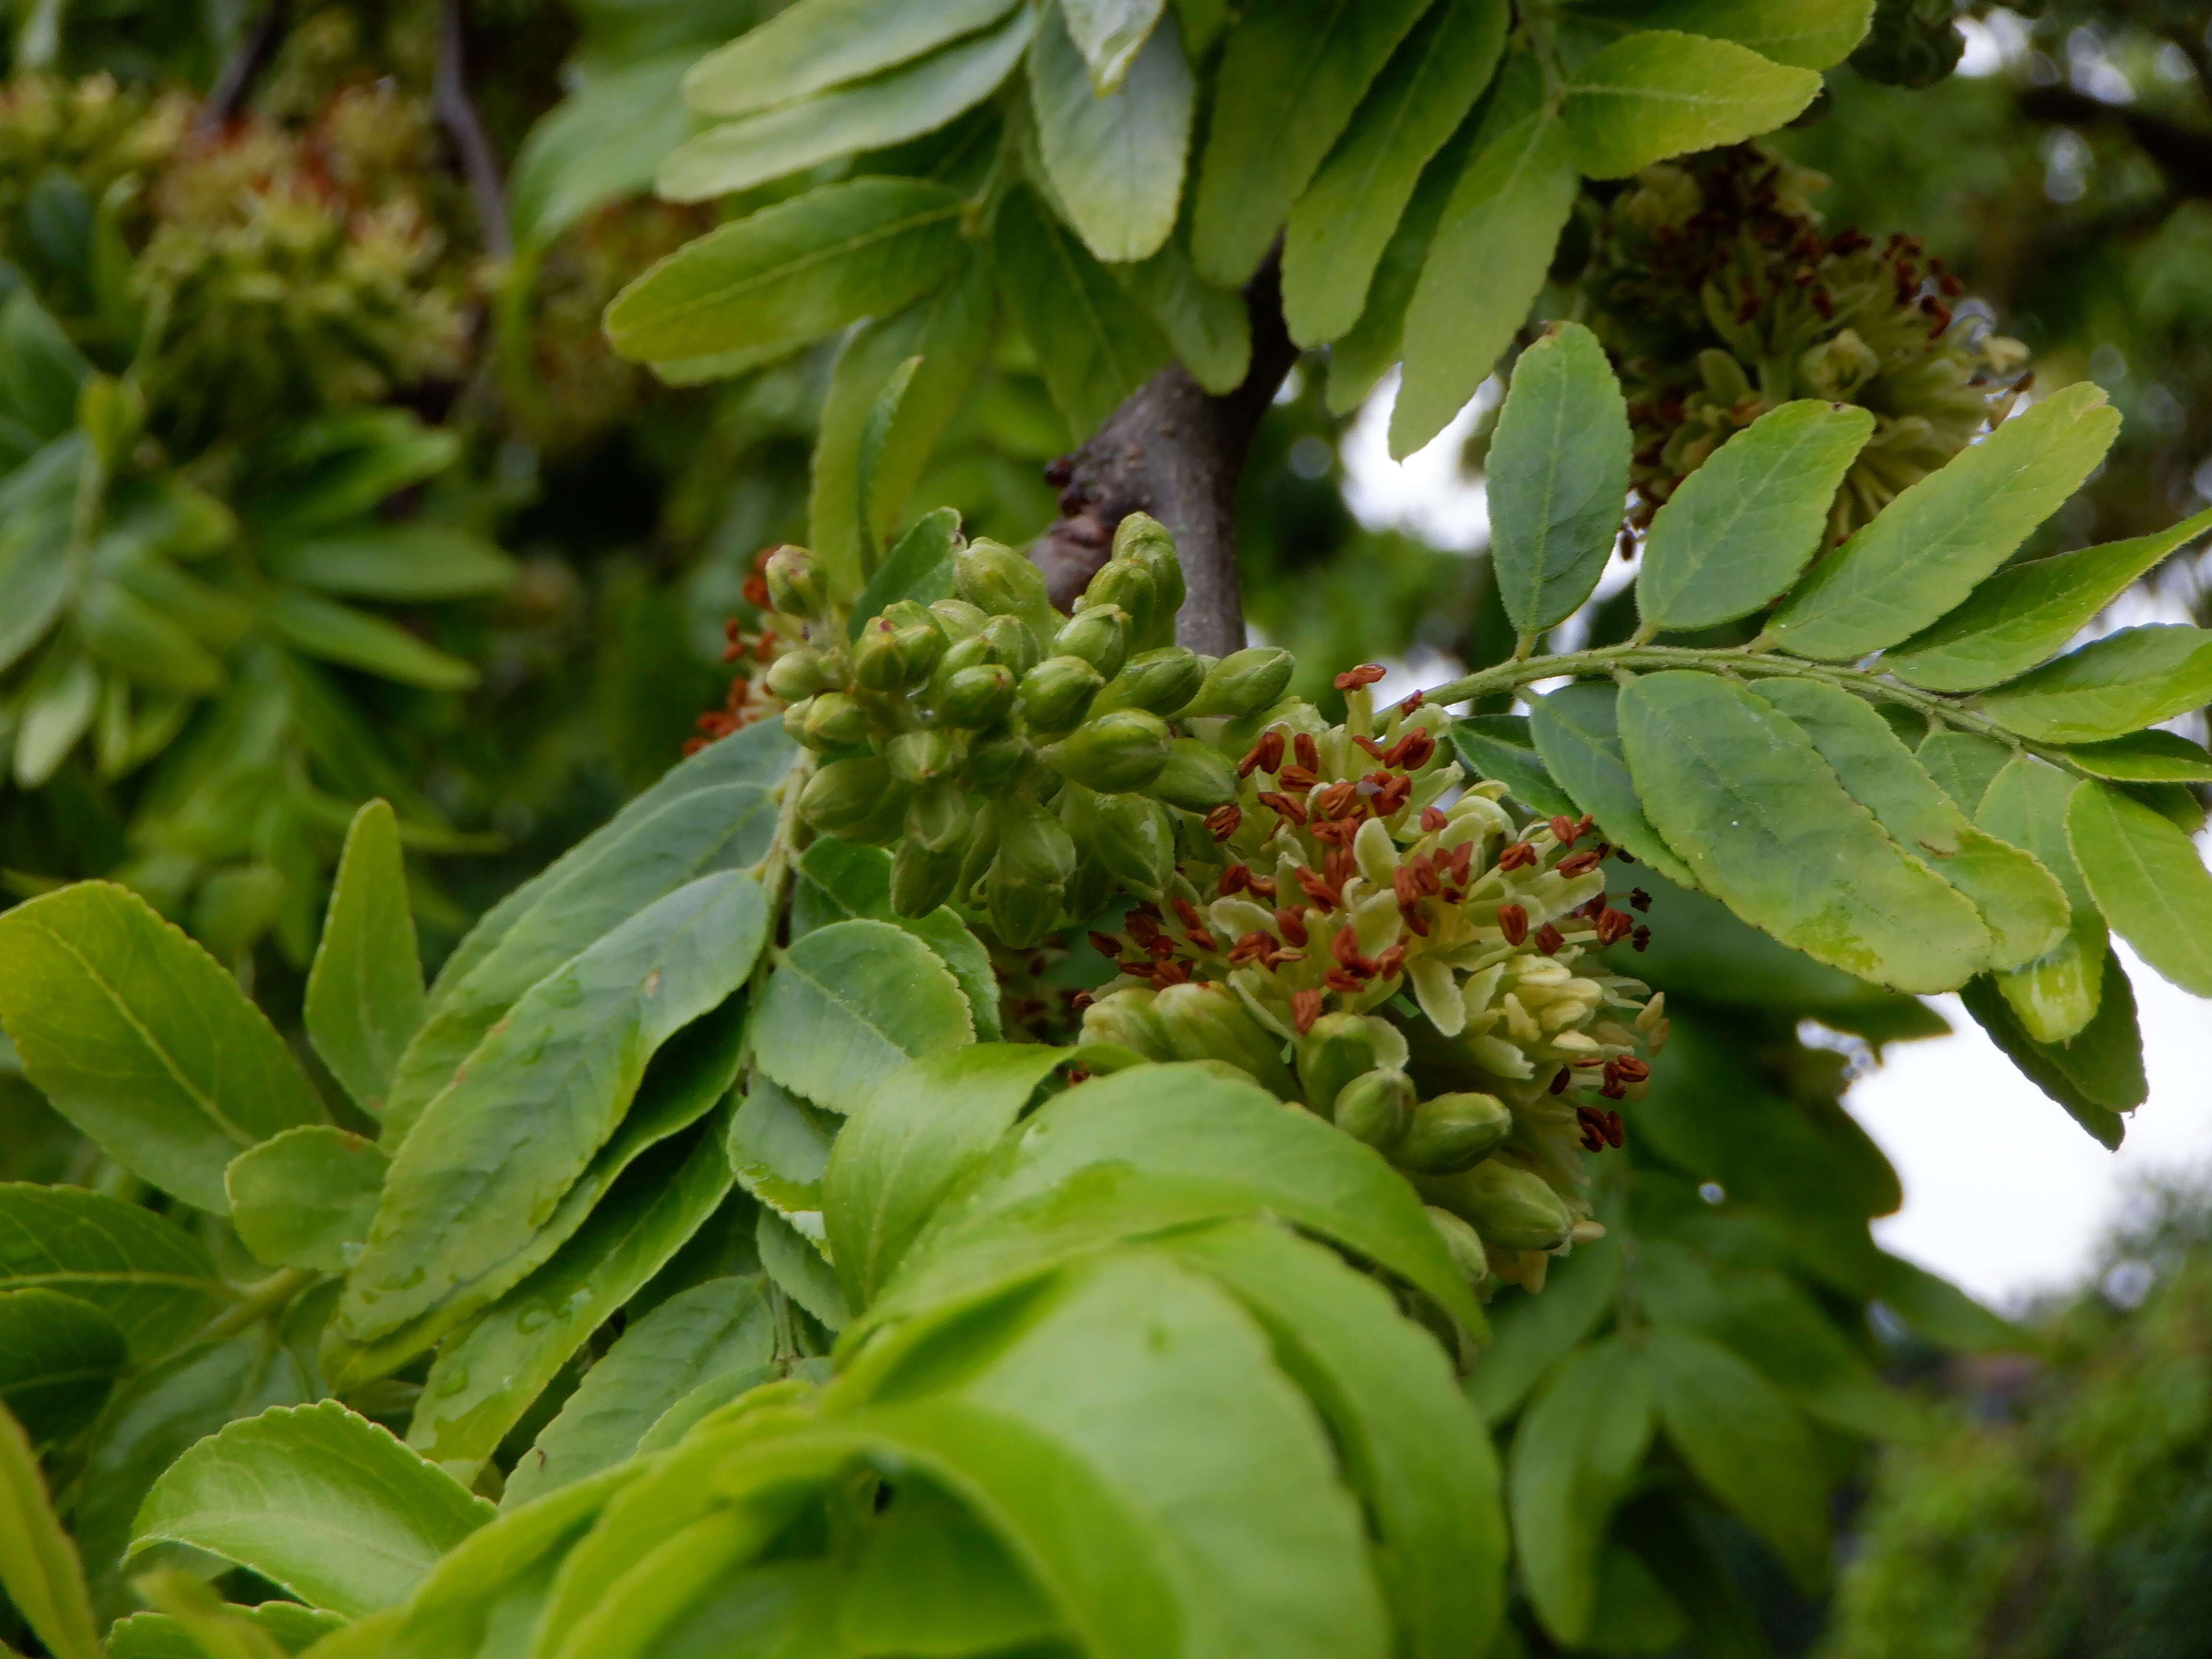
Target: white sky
{"type": "Point", "coordinates": [2004, 1194]}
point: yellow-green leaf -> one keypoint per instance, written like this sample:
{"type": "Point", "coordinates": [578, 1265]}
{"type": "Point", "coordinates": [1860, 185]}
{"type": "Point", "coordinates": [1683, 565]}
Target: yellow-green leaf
{"type": "Point", "coordinates": [2149, 879]}
{"type": "Point", "coordinates": [1660, 92]}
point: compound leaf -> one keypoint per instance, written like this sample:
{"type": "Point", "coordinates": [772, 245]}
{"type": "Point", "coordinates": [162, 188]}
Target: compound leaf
{"type": "Point", "coordinates": [2096, 1075]}
{"type": "Point", "coordinates": [1096, 347]}
{"type": "Point", "coordinates": [2145, 757]}
{"type": "Point", "coordinates": [1115, 158]}
{"type": "Point", "coordinates": [1577, 732]}
{"type": "Point", "coordinates": [852, 1002]}
{"type": "Point", "coordinates": [2110, 687]}
{"type": "Point", "coordinates": [2147, 878]}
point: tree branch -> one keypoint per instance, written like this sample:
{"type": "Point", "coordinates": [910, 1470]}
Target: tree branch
{"type": "Point", "coordinates": [2182, 153]}
{"type": "Point", "coordinates": [449, 97]}
{"type": "Point", "coordinates": [1176, 452]}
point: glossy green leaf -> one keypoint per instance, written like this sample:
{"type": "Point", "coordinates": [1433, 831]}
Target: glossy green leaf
{"type": "Point", "coordinates": [708, 1331]}
{"type": "Point", "coordinates": [1486, 261]}
{"type": "Point", "coordinates": [1963, 765]}
{"type": "Point", "coordinates": [1209, 327]}
{"type": "Point", "coordinates": [711, 813]}
{"type": "Point", "coordinates": [1558, 476]}
{"type": "Point", "coordinates": [2149, 879]}
{"type": "Point", "coordinates": [2026, 803]}
{"type": "Point", "coordinates": [1500, 747]}
{"type": "Point", "coordinates": [916, 98]}
{"type": "Point", "coordinates": [487, 1375]}
{"type": "Point", "coordinates": [364, 998]}
{"type": "Point", "coordinates": [137, 641]}
{"type": "Point", "coordinates": [35, 514]}
{"type": "Point", "coordinates": [875, 434]}
{"type": "Point", "coordinates": [603, 141]}
{"type": "Point", "coordinates": [1659, 93]}
{"type": "Point", "coordinates": [950, 332]}
{"type": "Point", "coordinates": [1738, 530]}
{"type": "Point", "coordinates": [39, 1566]}
{"type": "Point", "coordinates": [1531, 1333]}
{"type": "Point", "coordinates": [492, 1156]}
{"type": "Point", "coordinates": [2109, 687]}
{"type": "Point", "coordinates": [2096, 1075]}
{"type": "Point", "coordinates": [821, 43]}
{"type": "Point", "coordinates": [1292, 75]}
{"type": "Point", "coordinates": [839, 882]}
{"type": "Point", "coordinates": [394, 562]}
{"type": "Point", "coordinates": [793, 1258]}
{"type": "Point", "coordinates": [141, 1040]}
{"type": "Point", "coordinates": [154, 1280]}
{"type": "Point", "coordinates": [1414, 1449]}
{"type": "Point", "coordinates": [1340, 226]}
{"type": "Point", "coordinates": [1094, 346]}
{"type": "Point", "coordinates": [1110, 34]}
{"type": "Point", "coordinates": [1812, 35]}
{"type": "Point", "coordinates": [2145, 757]}
{"type": "Point", "coordinates": [58, 1358]}
{"type": "Point", "coordinates": [1745, 1443]}
{"type": "Point", "coordinates": [1577, 732]}
{"type": "Point", "coordinates": [779, 1145]}
{"type": "Point", "coordinates": [1578, 1447]}
{"type": "Point", "coordinates": [909, 1142]}
{"type": "Point", "coordinates": [2056, 995]}
{"type": "Point", "coordinates": [2027, 612]}
{"type": "Point", "coordinates": [353, 639]}
{"type": "Point", "coordinates": [793, 272]}
{"type": "Point", "coordinates": [291, 1628]}
{"type": "Point", "coordinates": [316, 1499]}
{"type": "Point", "coordinates": [1927, 551]}
{"type": "Point", "coordinates": [1115, 160]}
{"type": "Point", "coordinates": [918, 567]}
{"type": "Point", "coordinates": [1746, 802]}
{"type": "Point", "coordinates": [929, 1579]}
{"type": "Point", "coordinates": [2020, 903]}
{"type": "Point", "coordinates": [305, 1198]}
{"type": "Point", "coordinates": [852, 1002]}
{"type": "Point", "coordinates": [208, 1626]}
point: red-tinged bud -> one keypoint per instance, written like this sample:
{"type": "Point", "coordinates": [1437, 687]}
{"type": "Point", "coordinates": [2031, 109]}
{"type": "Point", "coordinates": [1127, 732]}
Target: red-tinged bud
{"type": "Point", "coordinates": [1513, 922]}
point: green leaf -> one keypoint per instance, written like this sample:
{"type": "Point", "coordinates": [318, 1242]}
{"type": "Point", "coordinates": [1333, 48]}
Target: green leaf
{"type": "Point", "coordinates": [1577, 732]}
{"type": "Point", "coordinates": [36, 503]}
{"type": "Point", "coordinates": [2148, 880]}
{"type": "Point", "coordinates": [1926, 551]}
{"type": "Point", "coordinates": [2110, 687]}
{"type": "Point", "coordinates": [712, 812]}
{"type": "Point", "coordinates": [1745, 800]}
{"type": "Point", "coordinates": [318, 1500]}
{"type": "Point", "coordinates": [2026, 612]}
{"type": "Point", "coordinates": [1577, 1448]}
{"type": "Point", "coordinates": [55, 710]}
{"type": "Point", "coordinates": [2145, 757]}
{"type": "Point", "coordinates": [2020, 903]}
{"type": "Point", "coordinates": [911, 1142]}
{"type": "Point", "coordinates": [1738, 530]}
{"type": "Point", "coordinates": [839, 882]}
{"type": "Point", "coordinates": [1530, 1333]}
{"type": "Point", "coordinates": [875, 432]}
{"type": "Point", "coordinates": [1963, 765]}
{"type": "Point", "coordinates": [1340, 226]}
{"type": "Point", "coordinates": [154, 1280]}
{"type": "Point", "coordinates": [793, 272]}
{"type": "Point", "coordinates": [794, 1261]}
{"type": "Point", "coordinates": [486, 1376]}
{"type": "Point", "coordinates": [140, 1039]}
{"type": "Point", "coordinates": [491, 1157]}
{"type": "Point", "coordinates": [203, 1624]}
{"type": "Point", "coordinates": [605, 140]}
{"type": "Point", "coordinates": [1209, 327]}
{"type": "Point", "coordinates": [353, 639]}
{"type": "Point", "coordinates": [2055, 996]}
{"type": "Point", "coordinates": [1745, 1443]}
{"type": "Point", "coordinates": [1660, 92]}
{"type": "Point", "coordinates": [821, 43]}
{"type": "Point", "coordinates": [400, 563]}
{"type": "Point", "coordinates": [364, 998]}
{"type": "Point", "coordinates": [1485, 262]}
{"type": "Point", "coordinates": [2096, 1075]}
{"type": "Point", "coordinates": [918, 567]}
{"type": "Point", "coordinates": [1291, 76]}
{"type": "Point", "coordinates": [41, 372]}
{"type": "Point", "coordinates": [1114, 159]}
{"type": "Point", "coordinates": [950, 331]}
{"type": "Point", "coordinates": [292, 1627]}
{"type": "Point", "coordinates": [928, 1578]}
{"type": "Point", "coordinates": [1094, 345]}
{"type": "Point", "coordinates": [58, 1358]}
{"type": "Point", "coordinates": [39, 1566]}
{"type": "Point", "coordinates": [780, 1146]}
{"type": "Point", "coordinates": [1500, 747]}
{"type": "Point", "coordinates": [852, 1002]}
{"type": "Point", "coordinates": [1558, 474]}
{"type": "Point", "coordinates": [305, 1198]}
{"type": "Point", "coordinates": [888, 109]}
{"type": "Point", "coordinates": [696, 1335]}
{"type": "Point", "coordinates": [137, 641]}
{"type": "Point", "coordinates": [1812, 35]}
{"type": "Point", "coordinates": [1413, 1450]}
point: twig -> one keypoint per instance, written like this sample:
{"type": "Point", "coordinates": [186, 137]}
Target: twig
{"type": "Point", "coordinates": [449, 97]}
{"type": "Point", "coordinates": [245, 67]}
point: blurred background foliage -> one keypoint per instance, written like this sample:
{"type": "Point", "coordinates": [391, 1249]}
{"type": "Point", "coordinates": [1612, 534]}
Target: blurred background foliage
{"type": "Point", "coordinates": [317, 482]}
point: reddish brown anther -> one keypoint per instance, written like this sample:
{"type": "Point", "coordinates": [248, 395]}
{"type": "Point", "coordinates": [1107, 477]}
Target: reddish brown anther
{"type": "Point", "coordinates": [1370, 746]}
{"type": "Point", "coordinates": [1079, 1001]}
{"type": "Point", "coordinates": [1284, 806]}
{"type": "Point", "coordinates": [1517, 855]}
{"type": "Point", "coordinates": [1458, 860]}
{"type": "Point", "coordinates": [1393, 795]}
{"type": "Point", "coordinates": [1320, 891]}
{"type": "Point", "coordinates": [1365, 674]}
{"type": "Point", "coordinates": [1260, 886]}
{"type": "Point", "coordinates": [1414, 920]}
{"type": "Point", "coordinates": [1106, 946]}
{"type": "Point", "coordinates": [1410, 752]}
{"type": "Point", "coordinates": [1344, 980]}
{"type": "Point", "coordinates": [1189, 912]}
{"type": "Point", "coordinates": [1339, 866]}
{"type": "Point", "coordinates": [1299, 778]}
{"type": "Point", "coordinates": [1264, 756]}
{"type": "Point", "coordinates": [1253, 947]}
{"type": "Point", "coordinates": [1591, 911]}
{"type": "Point", "coordinates": [1549, 940]}
{"type": "Point", "coordinates": [1344, 947]}
{"type": "Point", "coordinates": [1290, 922]}
{"type": "Point", "coordinates": [1639, 899]}
{"type": "Point", "coordinates": [1560, 1079]}
{"type": "Point", "coordinates": [1171, 973]}
{"type": "Point", "coordinates": [1623, 855]}
{"type": "Point", "coordinates": [1160, 945]}
{"type": "Point", "coordinates": [1307, 751]}
{"type": "Point", "coordinates": [1625, 1068]}
{"type": "Point", "coordinates": [1432, 819]}
{"type": "Point", "coordinates": [1391, 963]}
{"type": "Point", "coordinates": [1406, 883]}
{"type": "Point", "coordinates": [1306, 1009]}
{"type": "Point", "coordinates": [1614, 926]}
{"type": "Point", "coordinates": [1580, 864]}
{"type": "Point", "coordinates": [1233, 879]}
{"type": "Point", "coordinates": [1338, 801]}
{"type": "Point", "coordinates": [1641, 938]}
{"type": "Point", "coordinates": [1222, 821]}
{"type": "Point", "coordinates": [1413, 702]}
{"type": "Point", "coordinates": [1143, 924]}
{"type": "Point", "coordinates": [1513, 922]}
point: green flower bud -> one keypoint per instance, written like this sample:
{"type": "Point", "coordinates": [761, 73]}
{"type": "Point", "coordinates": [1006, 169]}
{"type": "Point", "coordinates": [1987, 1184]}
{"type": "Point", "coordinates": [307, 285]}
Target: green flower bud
{"type": "Point", "coordinates": [998, 761]}
{"type": "Point", "coordinates": [800, 672]}
{"type": "Point", "coordinates": [1197, 778]}
{"type": "Point", "coordinates": [1056, 693]}
{"type": "Point", "coordinates": [1141, 537]}
{"type": "Point", "coordinates": [911, 613]}
{"type": "Point", "coordinates": [834, 721]}
{"type": "Point", "coordinates": [960, 620]}
{"type": "Point", "coordinates": [1241, 682]}
{"type": "Point", "coordinates": [1339, 1047]}
{"type": "Point", "coordinates": [1089, 890]}
{"type": "Point", "coordinates": [1010, 640]}
{"type": "Point", "coordinates": [1161, 681]}
{"type": "Point", "coordinates": [940, 816]}
{"type": "Point", "coordinates": [1464, 1243]}
{"type": "Point", "coordinates": [1124, 750]}
{"type": "Point", "coordinates": [1127, 1019]}
{"type": "Point", "coordinates": [975, 696]}
{"type": "Point", "coordinates": [1511, 1208]}
{"type": "Point", "coordinates": [1452, 1132]}
{"type": "Point", "coordinates": [918, 757]}
{"type": "Point", "coordinates": [1029, 873]}
{"type": "Point", "coordinates": [1125, 584]}
{"type": "Point", "coordinates": [1376, 1107]}
{"type": "Point", "coordinates": [1130, 839]}
{"type": "Point", "coordinates": [1100, 636]}
{"type": "Point", "coordinates": [922, 880]}
{"type": "Point", "coordinates": [1208, 1021]}
{"type": "Point", "coordinates": [856, 800]}
{"type": "Point", "coordinates": [878, 663]}
{"type": "Point", "coordinates": [794, 584]}
{"type": "Point", "coordinates": [994, 577]}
